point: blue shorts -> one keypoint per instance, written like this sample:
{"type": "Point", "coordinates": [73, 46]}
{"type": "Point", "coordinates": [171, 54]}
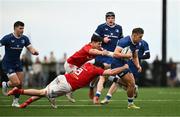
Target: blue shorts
{"type": "Point", "coordinates": [119, 63]}
{"type": "Point", "coordinates": [104, 59]}
{"type": "Point", "coordinates": [133, 69]}
{"type": "Point", "coordinates": [12, 67]}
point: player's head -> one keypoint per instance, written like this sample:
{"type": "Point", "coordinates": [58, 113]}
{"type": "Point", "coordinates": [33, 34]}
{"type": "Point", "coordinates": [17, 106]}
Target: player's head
{"type": "Point", "coordinates": [99, 64]}
{"type": "Point", "coordinates": [137, 34]}
{"type": "Point", "coordinates": [19, 27]}
{"type": "Point", "coordinates": [110, 18]}
{"type": "Point", "coordinates": [96, 41]}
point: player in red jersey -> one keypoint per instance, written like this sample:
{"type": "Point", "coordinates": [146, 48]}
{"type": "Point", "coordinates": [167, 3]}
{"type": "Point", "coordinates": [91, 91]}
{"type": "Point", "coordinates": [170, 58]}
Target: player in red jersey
{"type": "Point", "coordinates": [86, 53]}
{"type": "Point", "coordinates": [66, 83]}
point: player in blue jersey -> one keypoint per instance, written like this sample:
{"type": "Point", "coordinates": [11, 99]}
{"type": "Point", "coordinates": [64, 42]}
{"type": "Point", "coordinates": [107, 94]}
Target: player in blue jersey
{"type": "Point", "coordinates": [143, 53]}
{"type": "Point", "coordinates": [11, 64]}
{"type": "Point", "coordinates": [126, 77]}
{"type": "Point", "coordinates": [111, 32]}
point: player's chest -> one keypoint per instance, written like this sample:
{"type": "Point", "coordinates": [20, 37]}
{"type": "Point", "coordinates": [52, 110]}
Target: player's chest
{"type": "Point", "coordinates": [111, 32]}
{"type": "Point", "coordinates": [16, 43]}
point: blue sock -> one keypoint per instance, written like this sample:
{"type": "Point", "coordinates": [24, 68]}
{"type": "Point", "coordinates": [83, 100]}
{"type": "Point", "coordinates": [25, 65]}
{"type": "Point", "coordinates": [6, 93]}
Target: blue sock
{"type": "Point", "coordinates": [98, 94]}
{"type": "Point", "coordinates": [130, 100]}
{"type": "Point", "coordinates": [108, 96]}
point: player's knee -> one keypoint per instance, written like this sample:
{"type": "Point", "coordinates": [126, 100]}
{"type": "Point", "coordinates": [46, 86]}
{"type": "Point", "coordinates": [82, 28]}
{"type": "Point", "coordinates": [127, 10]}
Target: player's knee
{"type": "Point", "coordinates": [42, 92]}
{"type": "Point", "coordinates": [16, 83]}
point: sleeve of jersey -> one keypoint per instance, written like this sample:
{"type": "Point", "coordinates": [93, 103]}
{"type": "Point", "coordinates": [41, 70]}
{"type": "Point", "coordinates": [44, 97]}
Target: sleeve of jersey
{"type": "Point", "coordinates": [121, 33]}
{"type": "Point", "coordinates": [27, 42]}
{"type": "Point", "coordinates": [99, 71]}
{"type": "Point", "coordinates": [146, 47]}
{"type": "Point", "coordinates": [87, 48]}
{"type": "Point", "coordinates": [99, 31]}
{"type": "Point", "coordinates": [3, 41]}
{"type": "Point", "coordinates": [122, 43]}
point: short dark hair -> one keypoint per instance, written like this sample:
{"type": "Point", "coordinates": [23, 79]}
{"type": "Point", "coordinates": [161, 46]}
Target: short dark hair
{"type": "Point", "coordinates": [96, 38]}
{"type": "Point", "coordinates": [18, 23]}
{"type": "Point", "coordinates": [99, 64]}
{"type": "Point", "coordinates": [138, 31]}
{"type": "Point", "coordinates": [109, 14]}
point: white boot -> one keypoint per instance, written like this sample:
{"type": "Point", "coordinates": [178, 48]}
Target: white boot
{"type": "Point", "coordinates": [4, 88]}
{"type": "Point", "coordinates": [15, 102]}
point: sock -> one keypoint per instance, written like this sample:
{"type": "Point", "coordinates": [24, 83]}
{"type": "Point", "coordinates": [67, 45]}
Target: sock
{"type": "Point", "coordinates": [130, 100]}
{"type": "Point", "coordinates": [7, 84]}
{"type": "Point", "coordinates": [19, 91]}
{"type": "Point", "coordinates": [108, 96]}
{"type": "Point", "coordinates": [91, 85]}
{"type": "Point", "coordinates": [29, 101]}
{"type": "Point", "coordinates": [98, 94]}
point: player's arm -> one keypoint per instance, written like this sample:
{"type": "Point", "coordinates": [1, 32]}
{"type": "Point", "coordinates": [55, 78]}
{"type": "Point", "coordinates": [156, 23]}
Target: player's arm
{"type": "Point", "coordinates": [146, 55]}
{"type": "Point", "coordinates": [100, 52]}
{"type": "Point", "coordinates": [32, 50]}
{"type": "Point", "coordinates": [118, 54]}
{"type": "Point", "coordinates": [136, 61]}
{"type": "Point", "coordinates": [115, 70]}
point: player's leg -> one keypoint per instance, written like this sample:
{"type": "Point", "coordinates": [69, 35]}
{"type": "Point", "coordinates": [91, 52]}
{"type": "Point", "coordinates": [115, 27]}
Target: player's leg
{"type": "Point", "coordinates": [20, 76]}
{"type": "Point", "coordinates": [130, 82]}
{"type": "Point", "coordinates": [92, 87]}
{"type": "Point", "coordinates": [99, 89]}
{"type": "Point", "coordinates": [29, 101]}
{"type": "Point", "coordinates": [111, 91]}
{"type": "Point", "coordinates": [70, 68]}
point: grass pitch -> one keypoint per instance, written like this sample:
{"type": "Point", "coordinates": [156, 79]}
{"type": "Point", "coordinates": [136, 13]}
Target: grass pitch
{"type": "Point", "coordinates": [153, 102]}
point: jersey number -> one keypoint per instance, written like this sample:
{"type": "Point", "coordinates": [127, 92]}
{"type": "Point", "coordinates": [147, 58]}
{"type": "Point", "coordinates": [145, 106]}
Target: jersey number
{"type": "Point", "coordinates": [78, 71]}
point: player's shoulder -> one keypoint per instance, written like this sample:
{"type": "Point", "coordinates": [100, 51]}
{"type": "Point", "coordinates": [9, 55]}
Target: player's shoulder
{"type": "Point", "coordinates": [102, 25]}
{"type": "Point", "coordinates": [25, 37]}
{"type": "Point", "coordinates": [143, 43]}
{"type": "Point", "coordinates": [8, 36]}
{"type": "Point", "coordinates": [125, 39]}
{"type": "Point", "coordinates": [118, 26]}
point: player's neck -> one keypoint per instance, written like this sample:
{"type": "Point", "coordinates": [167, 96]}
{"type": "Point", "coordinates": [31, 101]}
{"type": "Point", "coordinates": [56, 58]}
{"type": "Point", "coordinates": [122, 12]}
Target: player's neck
{"type": "Point", "coordinates": [16, 35]}
{"type": "Point", "coordinates": [111, 25]}
{"type": "Point", "coordinates": [132, 40]}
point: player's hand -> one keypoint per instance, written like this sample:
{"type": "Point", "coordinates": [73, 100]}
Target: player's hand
{"type": "Point", "coordinates": [139, 69]}
{"type": "Point", "coordinates": [126, 66]}
{"type": "Point", "coordinates": [35, 52]}
{"type": "Point", "coordinates": [129, 55]}
{"type": "Point", "coordinates": [106, 39]}
{"type": "Point", "coordinates": [105, 52]}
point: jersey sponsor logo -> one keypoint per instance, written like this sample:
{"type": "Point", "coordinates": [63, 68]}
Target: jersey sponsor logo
{"type": "Point", "coordinates": [22, 41]}
{"type": "Point", "coordinates": [113, 36]}
{"type": "Point", "coordinates": [12, 41]}
{"type": "Point", "coordinates": [106, 29]}
{"type": "Point", "coordinates": [117, 30]}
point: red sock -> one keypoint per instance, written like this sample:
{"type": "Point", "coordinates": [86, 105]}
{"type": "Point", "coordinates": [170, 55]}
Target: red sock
{"type": "Point", "coordinates": [29, 101]}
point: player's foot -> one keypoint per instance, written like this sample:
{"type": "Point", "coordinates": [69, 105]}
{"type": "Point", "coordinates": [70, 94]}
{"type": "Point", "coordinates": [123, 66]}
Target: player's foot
{"type": "Point", "coordinates": [133, 106]}
{"type": "Point", "coordinates": [4, 88]}
{"type": "Point", "coordinates": [91, 93]}
{"type": "Point", "coordinates": [96, 100]}
{"type": "Point", "coordinates": [13, 91]}
{"type": "Point", "coordinates": [15, 102]}
{"type": "Point", "coordinates": [23, 105]}
{"type": "Point", "coordinates": [70, 98]}
{"type": "Point", "coordinates": [53, 102]}
{"type": "Point", "coordinates": [136, 91]}
{"type": "Point", "coordinates": [105, 101]}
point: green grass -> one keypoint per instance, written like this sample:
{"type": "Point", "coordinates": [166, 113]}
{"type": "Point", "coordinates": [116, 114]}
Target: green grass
{"type": "Point", "coordinates": [153, 102]}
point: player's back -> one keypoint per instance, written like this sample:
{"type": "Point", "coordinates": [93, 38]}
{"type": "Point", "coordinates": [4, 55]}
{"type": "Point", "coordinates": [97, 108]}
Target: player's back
{"type": "Point", "coordinates": [81, 56]}
{"type": "Point", "coordinates": [112, 32]}
{"type": "Point", "coordinates": [83, 76]}
{"type": "Point", "coordinates": [13, 47]}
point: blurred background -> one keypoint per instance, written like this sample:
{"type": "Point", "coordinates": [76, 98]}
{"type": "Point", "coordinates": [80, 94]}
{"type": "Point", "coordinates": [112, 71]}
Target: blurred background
{"type": "Point", "coordinates": [58, 28]}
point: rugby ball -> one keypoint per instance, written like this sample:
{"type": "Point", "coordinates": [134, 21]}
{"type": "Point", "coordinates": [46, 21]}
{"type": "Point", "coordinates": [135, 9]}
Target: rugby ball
{"type": "Point", "coordinates": [125, 50]}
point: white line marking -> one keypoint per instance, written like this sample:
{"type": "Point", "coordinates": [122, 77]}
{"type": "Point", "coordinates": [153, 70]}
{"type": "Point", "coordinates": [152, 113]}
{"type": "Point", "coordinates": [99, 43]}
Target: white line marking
{"type": "Point", "coordinates": [43, 100]}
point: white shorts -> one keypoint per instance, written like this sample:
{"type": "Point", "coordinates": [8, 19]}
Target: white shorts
{"type": "Point", "coordinates": [58, 87]}
{"type": "Point", "coordinates": [69, 67]}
